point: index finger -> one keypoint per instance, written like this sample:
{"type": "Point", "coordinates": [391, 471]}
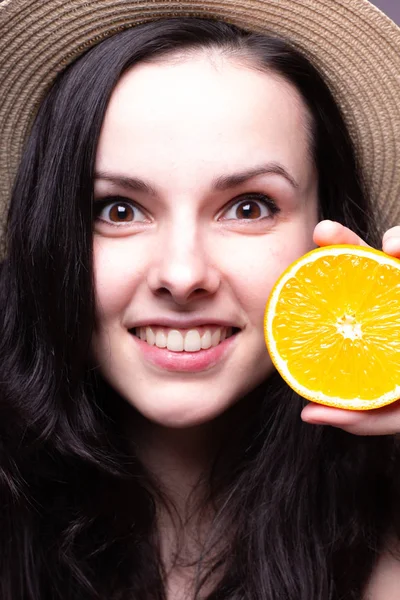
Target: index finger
{"type": "Point", "coordinates": [391, 241]}
{"type": "Point", "coordinates": [328, 233]}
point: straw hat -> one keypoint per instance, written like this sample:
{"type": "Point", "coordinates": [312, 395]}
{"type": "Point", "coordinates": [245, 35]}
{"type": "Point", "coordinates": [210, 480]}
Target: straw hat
{"type": "Point", "coordinates": [354, 45]}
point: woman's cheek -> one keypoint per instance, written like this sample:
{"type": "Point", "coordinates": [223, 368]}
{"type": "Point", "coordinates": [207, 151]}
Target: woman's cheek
{"type": "Point", "coordinates": [118, 268]}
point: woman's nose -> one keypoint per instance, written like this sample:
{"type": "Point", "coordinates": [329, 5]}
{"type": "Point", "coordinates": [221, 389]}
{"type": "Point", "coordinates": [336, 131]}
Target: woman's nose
{"type": "Point", "coordinates": [182, 269]}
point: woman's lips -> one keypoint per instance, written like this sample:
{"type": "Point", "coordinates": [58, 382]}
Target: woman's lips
{"type": "Point", "coordinates": [189, 362]}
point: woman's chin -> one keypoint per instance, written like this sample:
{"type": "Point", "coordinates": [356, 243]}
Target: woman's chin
{"type": "Point", "coordinates": [183, 414]}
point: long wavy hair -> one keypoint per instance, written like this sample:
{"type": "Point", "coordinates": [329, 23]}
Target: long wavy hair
{"type": "Point", "coordinates": [307, 508]}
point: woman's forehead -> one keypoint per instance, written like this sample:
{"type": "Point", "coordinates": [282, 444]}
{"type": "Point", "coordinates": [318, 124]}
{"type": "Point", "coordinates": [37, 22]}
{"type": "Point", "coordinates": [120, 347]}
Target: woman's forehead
{"type": "Point", "coordinates": [199, 112]}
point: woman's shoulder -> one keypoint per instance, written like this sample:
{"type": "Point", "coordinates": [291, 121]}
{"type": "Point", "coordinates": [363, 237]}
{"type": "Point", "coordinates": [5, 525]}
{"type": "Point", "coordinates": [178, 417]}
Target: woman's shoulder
{"type": "Point", "coordinates": [384, 583]}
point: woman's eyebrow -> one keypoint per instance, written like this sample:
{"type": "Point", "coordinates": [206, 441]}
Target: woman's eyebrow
{"type": "Point", "coordinates": [227, 181]}
{"type": "Point", "coordinates": [221, 183]}
{"type": "Point", "coordinates": [134, 184]}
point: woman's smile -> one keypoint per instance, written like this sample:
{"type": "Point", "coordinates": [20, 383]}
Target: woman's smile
{"type": "Point", "coordinates": [191, 350]}
{"type": "Point", "coordinates": [183, 340]}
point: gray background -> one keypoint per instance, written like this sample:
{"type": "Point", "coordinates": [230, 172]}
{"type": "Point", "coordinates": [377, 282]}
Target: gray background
{"type": "Point", "coordinates": [390, 7]}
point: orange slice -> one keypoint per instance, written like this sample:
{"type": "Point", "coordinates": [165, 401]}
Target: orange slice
{"type": "Point", "coordinates": [332, 327]}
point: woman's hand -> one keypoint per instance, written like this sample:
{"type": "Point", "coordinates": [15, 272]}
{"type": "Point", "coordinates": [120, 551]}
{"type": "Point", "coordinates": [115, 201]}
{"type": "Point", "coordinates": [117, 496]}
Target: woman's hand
{"type": "Point", "coordinates": [381, 421]}
{"type": "Point", "coordinates": [330, 232]}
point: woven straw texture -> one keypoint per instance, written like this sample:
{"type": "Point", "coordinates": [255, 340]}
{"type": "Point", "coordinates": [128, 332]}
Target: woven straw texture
{"type": "Point", "coordinates": [354, 45]}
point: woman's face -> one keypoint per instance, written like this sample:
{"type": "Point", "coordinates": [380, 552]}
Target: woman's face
{"type": "Point", "coordinates": [205, 191]}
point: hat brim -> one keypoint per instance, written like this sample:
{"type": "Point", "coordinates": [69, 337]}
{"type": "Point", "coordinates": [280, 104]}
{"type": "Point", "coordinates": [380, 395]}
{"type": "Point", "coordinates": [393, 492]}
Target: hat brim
{"type": "Point", "coordinates": [353, 44]}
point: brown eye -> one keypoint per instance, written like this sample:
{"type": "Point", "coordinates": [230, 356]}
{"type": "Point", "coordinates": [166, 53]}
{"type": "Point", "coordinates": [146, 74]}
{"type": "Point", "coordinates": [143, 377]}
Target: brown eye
{"type": "Point", "coordinates": [248, 210]}
{"type": "Point", "coordinates": [115, 212]}
{"type": "Point", "coordinates": [251, 208]}
{"type": "Point", "coordinates": [121, 212]}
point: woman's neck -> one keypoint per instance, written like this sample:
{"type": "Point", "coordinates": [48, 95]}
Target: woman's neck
{"type": "Point", "coordinates": [179, 461]}
{"type": "Point", "coordinates": [183, 466]}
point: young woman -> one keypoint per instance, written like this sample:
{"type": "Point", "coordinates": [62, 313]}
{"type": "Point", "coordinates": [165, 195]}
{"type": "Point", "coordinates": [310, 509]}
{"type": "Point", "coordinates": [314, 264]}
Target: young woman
{"type": "Point", "coordinates": [147, 448]}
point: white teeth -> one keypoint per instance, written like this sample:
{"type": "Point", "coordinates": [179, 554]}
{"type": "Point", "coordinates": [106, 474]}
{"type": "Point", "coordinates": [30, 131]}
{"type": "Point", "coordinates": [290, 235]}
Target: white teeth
{"type": "Point", "coordinates": [206, 340]}
{"type": "Point", "coordinates": [216, 337]}
{"type": "Point", "coordinates": [175, 341]}
{"type": "Point", "coordinates": [150, 337]}
{"type": "Point", "coordinates": [191, 341]}
{"type": "Point", "coordinates": [161, 339]}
